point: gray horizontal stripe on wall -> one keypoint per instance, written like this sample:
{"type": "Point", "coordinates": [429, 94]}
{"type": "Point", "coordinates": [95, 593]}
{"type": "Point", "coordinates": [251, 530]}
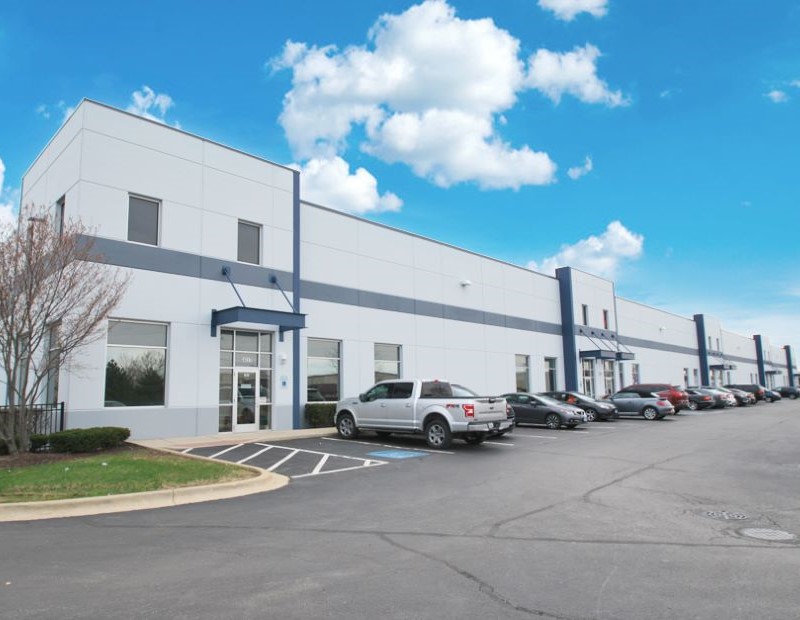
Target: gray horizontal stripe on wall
{"type": "Point", "coordinates": [381, 301]}
{"type": "Point", "coordinates": [162, 260]}
{"type": "Point", "coordinates": [658, 346]}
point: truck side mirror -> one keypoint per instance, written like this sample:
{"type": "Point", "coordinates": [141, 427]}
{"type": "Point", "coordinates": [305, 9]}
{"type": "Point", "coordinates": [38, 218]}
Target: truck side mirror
{"type": "Point", "coordinates": [363, 397]}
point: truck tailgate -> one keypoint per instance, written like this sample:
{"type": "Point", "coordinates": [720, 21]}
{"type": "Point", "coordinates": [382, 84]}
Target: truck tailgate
{"type": "Point", "coordinates": [490, 409]}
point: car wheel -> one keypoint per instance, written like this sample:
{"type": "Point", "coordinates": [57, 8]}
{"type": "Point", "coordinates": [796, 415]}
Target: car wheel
{"type": "Point", "coordinates": [650, 413]}
{"type": "Point", "coordinates": [346, 426]}
{"type": "Point", "coordinates": [553, 421]}
{"type": "Point", "coordinates": [591, 414]}
{"type": "Point", "coordinates": [475, 439]}
{"type": "Point", "coordinates": [437, 434]}
{"type": "Point", "coordinates": [692, 406]}
{"type": "Point", "coordinates": [768, 399]}
{"type": "Point", "coordinates": [792, 396]}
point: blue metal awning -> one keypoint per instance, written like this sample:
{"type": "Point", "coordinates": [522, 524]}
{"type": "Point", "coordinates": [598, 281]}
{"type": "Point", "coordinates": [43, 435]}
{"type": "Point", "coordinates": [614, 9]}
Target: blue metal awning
{"type": "Point", "coordinates": [726, 366]}
{"type": "Point", "coordinates": [286, 321]}
{"type": "Point", "coordinates": [598, 354]}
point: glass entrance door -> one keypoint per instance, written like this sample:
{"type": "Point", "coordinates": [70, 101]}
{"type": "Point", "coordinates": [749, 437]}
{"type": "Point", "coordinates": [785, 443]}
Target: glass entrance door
{"type": "Point", "coordinates": [246, 400]}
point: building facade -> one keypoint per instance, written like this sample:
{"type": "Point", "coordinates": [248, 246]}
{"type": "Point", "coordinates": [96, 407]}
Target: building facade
{"type": "Point", "coordinates": [246, 302]}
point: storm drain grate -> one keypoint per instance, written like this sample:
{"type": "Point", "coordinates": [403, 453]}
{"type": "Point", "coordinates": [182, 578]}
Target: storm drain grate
{"type": "Point", "coordinates": [726, 516]}
{"type": "Point", "coordinates": [764, 534]}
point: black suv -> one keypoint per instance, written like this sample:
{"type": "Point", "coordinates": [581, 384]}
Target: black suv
{"type": "Point", "coordinates": [787, 391]}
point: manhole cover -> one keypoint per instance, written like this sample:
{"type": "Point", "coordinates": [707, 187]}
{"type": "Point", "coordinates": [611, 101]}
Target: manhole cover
{"type": "Point", "coordinates": [764, 534]}
{"type": "Point", "coordinates": [726, 516]}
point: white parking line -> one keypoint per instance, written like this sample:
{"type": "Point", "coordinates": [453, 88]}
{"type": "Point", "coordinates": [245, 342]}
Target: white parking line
{"type": "Point", "coordinates": [322, 462]}
{"type": "Point", "coordinates": [534, 436]}
{"type": "Point", "coordinates": [283, 460]}
{"type": "Point", "coordinates": [252, 456]}
{"type": "Point", "coordinates": [336, 471]}
{"type": "Point", "coordinates": [228, 449]}
{"type": "Point", "coordinates": [499, 443]}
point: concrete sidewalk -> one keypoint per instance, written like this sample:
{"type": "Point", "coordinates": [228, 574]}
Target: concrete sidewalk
{"type": "Point", "coordinates": [262, 482]}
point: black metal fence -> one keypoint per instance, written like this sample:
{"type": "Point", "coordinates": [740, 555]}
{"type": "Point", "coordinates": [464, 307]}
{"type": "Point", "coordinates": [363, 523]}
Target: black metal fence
{"type": "Point", "coordinates": [43, 418]}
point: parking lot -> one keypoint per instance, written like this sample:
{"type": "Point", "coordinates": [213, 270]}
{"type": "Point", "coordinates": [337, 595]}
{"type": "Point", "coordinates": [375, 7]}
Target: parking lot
{"type": "Point", "coordinates": [303, 458]}
{"type": "Point", "coordinates": [694, 516]}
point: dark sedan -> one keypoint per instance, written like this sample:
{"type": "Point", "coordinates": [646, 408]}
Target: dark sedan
{"type": "Point", "coordinates": [595, 409]}
{"type": "Point", "coordinates": [788, 391]}
{"type": "Point", "coordinates": [535, 409]}
{"type": "Point", "coordinates": [700, 398]}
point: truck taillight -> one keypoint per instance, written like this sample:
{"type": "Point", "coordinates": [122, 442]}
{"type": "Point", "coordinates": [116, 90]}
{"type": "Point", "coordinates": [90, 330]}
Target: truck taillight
{"type": "Point", "coordinates": [469, 410]}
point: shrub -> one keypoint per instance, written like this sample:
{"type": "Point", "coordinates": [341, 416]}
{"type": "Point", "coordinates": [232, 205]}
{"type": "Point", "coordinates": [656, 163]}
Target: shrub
{"type": "Point", "coordinates": [88, 439]}
{"type": "Point", "coordinates": [320, 415]}
{"type": "Point", "coordinates": [38, 442]}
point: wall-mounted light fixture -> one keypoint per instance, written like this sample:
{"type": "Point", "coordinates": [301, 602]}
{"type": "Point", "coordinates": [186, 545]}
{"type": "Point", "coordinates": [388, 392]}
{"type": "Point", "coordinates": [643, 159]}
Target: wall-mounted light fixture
{"type": "Point", "coordinates": [465, 282]}
{"type": "Point", "coordinates": [282, 358]}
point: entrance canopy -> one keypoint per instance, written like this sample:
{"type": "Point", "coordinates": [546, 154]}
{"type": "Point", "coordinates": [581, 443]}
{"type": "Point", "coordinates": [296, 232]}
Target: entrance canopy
{"type": "Point", "coordinates": [286, 321]}
{"type": "Point", "coordinates": [608, 348]}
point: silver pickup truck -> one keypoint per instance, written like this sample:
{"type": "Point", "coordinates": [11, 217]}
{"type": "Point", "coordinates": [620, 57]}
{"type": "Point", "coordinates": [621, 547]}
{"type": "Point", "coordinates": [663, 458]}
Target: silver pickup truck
{"type": "Point", "coordinates": [439, 410]}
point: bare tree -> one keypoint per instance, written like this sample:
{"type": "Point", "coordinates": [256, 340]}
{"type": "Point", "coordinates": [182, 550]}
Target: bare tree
{"type": "Point", "coordinates": [55, 297]}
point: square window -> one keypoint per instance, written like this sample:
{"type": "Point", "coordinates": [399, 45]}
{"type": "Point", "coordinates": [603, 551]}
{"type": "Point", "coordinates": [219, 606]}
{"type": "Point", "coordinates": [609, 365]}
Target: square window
{"type": "Point", "coordinates": [249, 243]}
{"type": "Point", "coordinates": [143, 220]}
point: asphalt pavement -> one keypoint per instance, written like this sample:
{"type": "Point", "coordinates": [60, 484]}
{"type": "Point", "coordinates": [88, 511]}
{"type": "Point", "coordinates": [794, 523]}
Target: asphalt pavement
{"type": "Point", "coordinates": [694, 516]}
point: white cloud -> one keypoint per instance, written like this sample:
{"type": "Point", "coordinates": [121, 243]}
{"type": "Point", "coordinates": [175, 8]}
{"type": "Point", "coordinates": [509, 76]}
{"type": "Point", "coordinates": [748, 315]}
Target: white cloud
{"type": "Point", "coordinates": [574, 73]}
{"type": "Point", "coordinates": [8, 217]}
{"type": "Point", "coordinates": [777, 96]}
{"type": "Point", "coordinates": [329, 182]}
{"type": "Point", "coordinates": [429, 90]}
{"type": "Point", "coordinates": [600, 255]}
{"type": "Point", "coordinates": [568, 9]}
{"type": "Point", "coordinates": [46, 111]}
{"type": "Point", "coordinates": [150, 105]}
{"type": "Point", "coordinates": [795, 83]}
{"type": "Point", "coordinates": [577, 172]}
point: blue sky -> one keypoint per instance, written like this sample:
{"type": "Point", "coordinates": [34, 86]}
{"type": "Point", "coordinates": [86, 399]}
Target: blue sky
{"type": "Point", "coordinates": [654, 143]}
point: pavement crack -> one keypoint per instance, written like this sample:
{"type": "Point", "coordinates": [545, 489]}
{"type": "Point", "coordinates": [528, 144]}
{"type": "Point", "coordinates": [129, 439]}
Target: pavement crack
{"type": "Point", "coordinates": [483, 587]}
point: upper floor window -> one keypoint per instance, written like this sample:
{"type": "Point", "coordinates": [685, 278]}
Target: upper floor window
{"type": "Point", "coordinates": [605, 319]}
{"type": "Point", "coordinates": [249, 243]}
{"type": "Point", "coordinates": [585, 311]}
{"type": "Point", "coordinates": [58, 215]}
{"type": "Point", "coordinates": [143, 215]}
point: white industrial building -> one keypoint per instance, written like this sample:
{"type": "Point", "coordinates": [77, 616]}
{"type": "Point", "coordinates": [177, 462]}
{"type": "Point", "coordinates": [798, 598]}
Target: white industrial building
{"type": "Point", "coordinates": [246, 302]}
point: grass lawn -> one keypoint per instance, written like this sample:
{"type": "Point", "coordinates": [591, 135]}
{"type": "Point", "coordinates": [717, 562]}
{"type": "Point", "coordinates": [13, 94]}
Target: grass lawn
{"type": "Point", "coordinates": [129, 469]}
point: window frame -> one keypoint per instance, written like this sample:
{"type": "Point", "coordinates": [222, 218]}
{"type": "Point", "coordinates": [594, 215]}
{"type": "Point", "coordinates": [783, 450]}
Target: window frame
{"type": "Point", "coordinates": [376, 359]}
{"type": "Point", "coordinates": [317, 357]}
{"type": "Point", "coordinates": [258, 228]}
{"type": "Point", "coordinates": [159, 212]}
{"type": "Point", "coordinates": [165, 348]}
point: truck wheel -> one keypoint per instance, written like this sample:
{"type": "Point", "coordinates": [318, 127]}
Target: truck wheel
{"type": "Point", "coordinates": [437, 434]}
{"type": "Point", "coordinates": [346, 426]}
{"type": "Point", "coordinates": [475, 439]}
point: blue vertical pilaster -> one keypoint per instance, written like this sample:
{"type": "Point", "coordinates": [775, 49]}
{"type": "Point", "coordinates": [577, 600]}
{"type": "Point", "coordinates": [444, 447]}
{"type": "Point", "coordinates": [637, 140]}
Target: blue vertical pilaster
{"type": "Point", "coordinates": [700, 324]}
{"type": "Point", "coordinates": [297, 421]}
{"type": "Point", "coordinates": [789, 364]}
{"type": "Point", "coordinates": [762, 372]}
{"type": "Point", "coordinates": [564, 277]}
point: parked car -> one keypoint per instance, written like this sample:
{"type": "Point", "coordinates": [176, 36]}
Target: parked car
{"type": "Point", "coordinates": [771, 395]}
{"type": "Point", "coordinates": [754, 388]}
{"type": "Point", "coordinates": [537, 409]}
{"type": "Point", "coordinates": [440, 410]}
{"type": "Point", "coordinates": [740, 397]}
{"type": "Point", "coordinates": [675, 395]}
{"type": "Point", "coordinates": [788, 391]}
{"type": "Point", "coordinates": [700, 399]}
{"type": "Point", "coordinates": [595, 409]}
{"type": "Point", "coordinates": [650, 406]}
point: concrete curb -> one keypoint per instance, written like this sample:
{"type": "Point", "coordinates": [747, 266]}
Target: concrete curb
{"type": "Point", "coordinates": [84, 506]}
